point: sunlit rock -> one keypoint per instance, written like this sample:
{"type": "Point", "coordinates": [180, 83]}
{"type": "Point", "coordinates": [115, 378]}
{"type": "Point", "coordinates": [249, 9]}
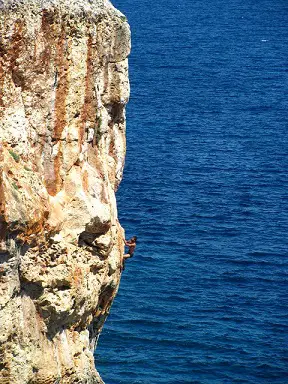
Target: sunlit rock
{"type": "Point", "coordinates": [63, 89]}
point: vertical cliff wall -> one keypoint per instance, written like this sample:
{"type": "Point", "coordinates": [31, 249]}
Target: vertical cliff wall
{"type": "Point", "coordinates": [63, 90]}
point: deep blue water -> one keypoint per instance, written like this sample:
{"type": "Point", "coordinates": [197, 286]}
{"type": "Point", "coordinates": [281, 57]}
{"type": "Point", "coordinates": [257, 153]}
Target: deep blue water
{"type": "Point", "coordinates": [205, 188]}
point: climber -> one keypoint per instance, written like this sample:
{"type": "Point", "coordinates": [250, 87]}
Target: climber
{"type": "Point", "coordinates": [131, 244]}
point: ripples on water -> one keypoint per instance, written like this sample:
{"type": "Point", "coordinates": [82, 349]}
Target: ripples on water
{"type": "Point", "coordinates": [204, 300]}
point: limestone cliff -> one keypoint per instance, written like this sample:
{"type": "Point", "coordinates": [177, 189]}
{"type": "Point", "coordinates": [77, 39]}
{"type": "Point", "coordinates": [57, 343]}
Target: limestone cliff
{"type": "Point", "coordinates": [63, 89]}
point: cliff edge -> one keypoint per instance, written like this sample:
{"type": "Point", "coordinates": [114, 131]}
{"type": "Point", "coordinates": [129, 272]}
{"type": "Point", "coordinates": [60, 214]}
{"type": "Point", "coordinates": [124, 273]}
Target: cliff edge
{"type": "Point", "coordinates": [63, 89]}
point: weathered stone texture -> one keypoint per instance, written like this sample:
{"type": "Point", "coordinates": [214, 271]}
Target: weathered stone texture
{"type": "Point", "coordinates": [63, 89]}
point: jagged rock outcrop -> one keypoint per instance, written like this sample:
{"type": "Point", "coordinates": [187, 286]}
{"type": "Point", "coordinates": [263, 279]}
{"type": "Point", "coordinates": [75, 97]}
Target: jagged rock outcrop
{"type": "Point", "coordinates": [63, 89]}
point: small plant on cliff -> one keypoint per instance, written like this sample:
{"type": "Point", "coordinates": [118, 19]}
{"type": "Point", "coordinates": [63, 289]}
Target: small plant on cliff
{"type": "Point", "coordinates": [14, 155]}
{"type": "Point", "coordinates": [15, 186]}
{"type": "Point", "coordinates": [123, 18]}
{"type": "Point", "coordinates": [99, 123]}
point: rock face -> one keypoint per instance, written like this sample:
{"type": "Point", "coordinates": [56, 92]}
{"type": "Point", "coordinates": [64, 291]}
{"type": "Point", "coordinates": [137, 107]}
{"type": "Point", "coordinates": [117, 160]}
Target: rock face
{"type": "Point", "coordinates": [63, 89]}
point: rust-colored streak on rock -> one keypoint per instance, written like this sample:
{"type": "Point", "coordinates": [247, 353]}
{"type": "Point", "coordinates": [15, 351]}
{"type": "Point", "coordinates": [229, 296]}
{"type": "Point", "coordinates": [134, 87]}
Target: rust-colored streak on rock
{"type": "Point", "coordinates": [16, 44]}
{"type": "Point", "coordinates": [112, 146]}
{"type": "Point", "coordinates": [104, 197]}
{"type": "Point", "coordinates": [62, 85]}
{"type": "Point", "coordinates": [46, 25]}
{"type": "Point", "coordinates": [54, 184]}
{"type": "Point", "coordinates": [77, 277]}
{"type": "Point", "coordinates": [85, 181]}
{"type": "Point", "coordinates": [2, 78]}
{"type": "Point", "coordinates": [57, 167]}
{"type": "Point", "coordinates": [88, 112]}
{"type": "Point", "coordinates": [44, 63]}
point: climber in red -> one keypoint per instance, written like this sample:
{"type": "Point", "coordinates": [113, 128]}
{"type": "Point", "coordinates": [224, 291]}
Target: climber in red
{"type": "Point", "coordinates": [131, 244]}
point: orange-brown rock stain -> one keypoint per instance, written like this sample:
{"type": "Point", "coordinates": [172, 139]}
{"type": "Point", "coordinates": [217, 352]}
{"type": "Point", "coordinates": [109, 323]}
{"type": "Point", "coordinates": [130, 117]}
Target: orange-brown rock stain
{"type": "Point", "coordinates": [57, 163]}
{"type": "Point", "coordinates": [46, 25]}
{"type": "Point", "coordinates": [77, 277]}
{"type": "Point", "coordinates": [45, 64]}
{"type": "Point", "coordinates": [104, 195]}
{"type": "Point", "coordinates": [62, 87]}
{"type": "Point", "coordinates": [8, 60]}
{"type": "Point", "coordinates": [112, 145]}
{"type": "Point", "coordinates": [16, 44]}
{"type": "Point", "coordinates": [85, 181]}
{"type": "Point", "coordinates": [54, 182]}
{"type": "Point", "coordinates": [33, 228]}
{"type": "Point", "coordinates": [88, 110]}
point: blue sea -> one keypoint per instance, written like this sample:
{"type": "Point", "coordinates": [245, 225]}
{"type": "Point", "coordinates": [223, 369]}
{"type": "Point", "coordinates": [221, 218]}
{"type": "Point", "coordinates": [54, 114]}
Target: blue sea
{"type": "Point", "coordinates": [204, 300]}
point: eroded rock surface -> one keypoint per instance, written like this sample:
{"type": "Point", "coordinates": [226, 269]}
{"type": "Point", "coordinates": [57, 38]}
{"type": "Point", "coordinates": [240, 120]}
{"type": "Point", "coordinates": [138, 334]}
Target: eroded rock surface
{"type": "Point", "coordinates": [63, 89]}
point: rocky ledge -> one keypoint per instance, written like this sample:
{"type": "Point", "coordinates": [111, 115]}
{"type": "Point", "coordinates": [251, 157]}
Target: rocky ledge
{"type": "Point", "coordinates": [63, 89]}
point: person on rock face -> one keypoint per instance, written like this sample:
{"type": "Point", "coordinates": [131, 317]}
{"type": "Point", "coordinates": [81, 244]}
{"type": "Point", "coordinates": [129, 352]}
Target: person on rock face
{"type": "Point", "coordinates": [131, 244]}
